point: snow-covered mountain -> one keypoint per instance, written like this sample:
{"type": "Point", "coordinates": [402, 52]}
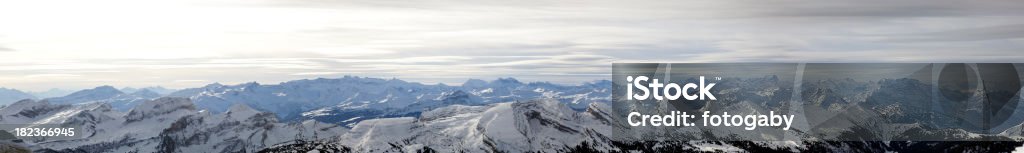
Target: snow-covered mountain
{"type": "Point", "coordinates": [100, 93]}
{"type": "Point", "coordinates": [546, 125]}
{"type": "Point", "coordinates": [53, 92]}
{"type": "Point", "coordinates": [119, 100]}
{"type": "Point", "coordinates": [162, 125]}
{"type": "Point", "coordinates": [8, 96]}
{"type": "Point", "coordinates": [155, 89]}
{"type": "Point", "coordinates": [174, 125]}
{"type": "Point", "coordinates": [351, 99]}
{"type": "Point", "coordinates": [541, 125]}
{"type": "Point", "coordinates": [504, 115]}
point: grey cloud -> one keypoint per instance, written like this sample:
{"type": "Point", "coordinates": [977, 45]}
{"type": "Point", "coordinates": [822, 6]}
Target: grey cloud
{"type": "Point", "coordinates": [570, 41]}
{"type": "Point", "coordinates": [999, 32]}
{"type": "Point", "coordinates": [885, 8]}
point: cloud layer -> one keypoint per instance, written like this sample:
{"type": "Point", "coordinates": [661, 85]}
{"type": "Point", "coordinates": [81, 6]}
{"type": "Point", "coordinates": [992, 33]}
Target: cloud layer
{"type": "Point", "coordinates": [81, 44]}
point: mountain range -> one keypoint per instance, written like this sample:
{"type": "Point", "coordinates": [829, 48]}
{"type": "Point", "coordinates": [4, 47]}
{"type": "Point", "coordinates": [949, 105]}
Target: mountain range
{"type": "Point", "coordinates": [356, 114]}
{"type": "Point", "coordinates": [8, 96]}
{"type": "Point", "coordinates": [350, 99]}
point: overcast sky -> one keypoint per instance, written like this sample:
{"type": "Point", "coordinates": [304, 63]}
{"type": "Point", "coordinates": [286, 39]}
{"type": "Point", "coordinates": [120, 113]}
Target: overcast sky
{"type": "Point", "coordinates": [75, 44]}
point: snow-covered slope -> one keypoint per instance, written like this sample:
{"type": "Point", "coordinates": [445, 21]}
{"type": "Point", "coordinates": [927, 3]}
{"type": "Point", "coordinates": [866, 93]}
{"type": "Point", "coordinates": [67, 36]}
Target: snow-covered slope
{"type": "Point", "coordinates": [541, 125]}
{"type": "Point", "coordinates": [162, 125]}
{"type": "Point", "coordinates": [503, 115]}
{"type": "Point", "coordinates": [550, 126]}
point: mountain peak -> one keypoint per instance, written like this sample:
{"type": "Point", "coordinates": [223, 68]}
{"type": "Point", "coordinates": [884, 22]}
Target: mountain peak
{"type": "Point", "coordinates": [155, 89]}
{"type": "Point", "coordinates": [87, 95]}
{"type": "Point", "coordinates": [107, 90]}
{"type": "Point", "coordinates": [23, 101]}
{"type": "Point", "coordinates": [146, 93]}
{"type": "Point", "coordinates": [52, 92]}
{"type": "Point", "coordinates": [22, 104]}
{"type": "Point", "coordinates": [254, 83]}
{"type": "Point", "coordinates": [159, 106]}
{"type": "Point", "coordinates": [474, 83]}
{"type": "Point", "coordinates": [12, 95]}
{"type": "Point", "coordinates": [241, 111]}
{"type": "Point", "coordinates": [459, 97]}
{"type": "Point", "coordinates": [105, 87]}
{"type": "Point", "coordinates": [508, 80]}
{"type": "Point", "coordinates": [129, 89]}
{"type": "Point", "coordinates": [213, 85]}
{"type": "Point", "coordinates": [239, 108]}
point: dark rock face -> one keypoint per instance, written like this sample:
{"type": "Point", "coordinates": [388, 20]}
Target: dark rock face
{"type": "Point", "coordinates": [308, 146]}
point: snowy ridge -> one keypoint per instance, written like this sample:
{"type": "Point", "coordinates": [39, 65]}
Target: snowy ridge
{"type": "Point", "coordinates": [157, 90]}
{"type": "Point", "coordinates": [106, 94]}
{"type": "Point", "coordinates": [162, 125]}
{"type": "Point", "coordinates": [348, 100]}
{"type": "Point", "coordinates": [390, 115]}
{"type": "Point", "coordinates": [540, 125]}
